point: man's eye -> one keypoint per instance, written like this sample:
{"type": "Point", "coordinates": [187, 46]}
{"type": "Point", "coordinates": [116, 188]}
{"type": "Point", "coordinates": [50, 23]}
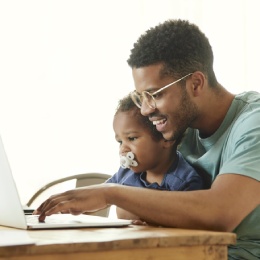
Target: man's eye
{"type": "Point", "coordinates": [157, 95]}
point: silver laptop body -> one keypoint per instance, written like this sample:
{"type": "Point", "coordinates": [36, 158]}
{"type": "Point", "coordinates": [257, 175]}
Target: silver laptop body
{"type": "Point", "coordinates": [12, 214]}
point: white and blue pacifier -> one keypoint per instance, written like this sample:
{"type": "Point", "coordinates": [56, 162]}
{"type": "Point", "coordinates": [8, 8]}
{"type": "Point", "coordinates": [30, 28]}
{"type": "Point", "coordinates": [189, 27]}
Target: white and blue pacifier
{"type": "Point", "coordinates": [126, 161]}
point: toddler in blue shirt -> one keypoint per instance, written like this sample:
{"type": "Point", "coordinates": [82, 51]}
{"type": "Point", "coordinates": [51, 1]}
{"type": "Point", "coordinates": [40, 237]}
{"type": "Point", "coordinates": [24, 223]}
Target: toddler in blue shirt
{"type": "Point", "coordinates": [147, 159]}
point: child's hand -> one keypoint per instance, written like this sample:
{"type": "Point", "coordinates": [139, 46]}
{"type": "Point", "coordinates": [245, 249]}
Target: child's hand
{"type": "Point", "coordinates": [139, 222]}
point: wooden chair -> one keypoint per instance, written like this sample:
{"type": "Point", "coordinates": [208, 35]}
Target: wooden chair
{"type": "Point", "coordinates": [70, 182]}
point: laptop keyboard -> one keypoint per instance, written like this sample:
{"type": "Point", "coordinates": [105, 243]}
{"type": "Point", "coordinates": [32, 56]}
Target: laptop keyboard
{"type": "Point", "coordinates": [33, 219]}
{"type": "Point", "coordinates": [54, 219]}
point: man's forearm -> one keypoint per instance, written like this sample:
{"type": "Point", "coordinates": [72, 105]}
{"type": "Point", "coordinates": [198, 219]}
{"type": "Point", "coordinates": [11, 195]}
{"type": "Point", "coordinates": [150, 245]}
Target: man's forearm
{"type": "Point", "coordinates": [215, 209]}
{"type": "Point", "coordinates": [167, 208]}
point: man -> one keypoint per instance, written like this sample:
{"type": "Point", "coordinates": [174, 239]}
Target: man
{"type": "Point", "coordinates": [172, 66]}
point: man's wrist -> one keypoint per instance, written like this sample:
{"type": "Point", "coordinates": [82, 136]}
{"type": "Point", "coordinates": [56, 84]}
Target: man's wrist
{"type": "Point", "coordinates": [110, 193]}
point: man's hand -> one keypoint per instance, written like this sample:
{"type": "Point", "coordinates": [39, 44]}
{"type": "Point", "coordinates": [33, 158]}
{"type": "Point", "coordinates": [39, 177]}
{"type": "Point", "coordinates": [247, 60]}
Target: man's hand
{"type": "Point", "coordinates": [87, 199]}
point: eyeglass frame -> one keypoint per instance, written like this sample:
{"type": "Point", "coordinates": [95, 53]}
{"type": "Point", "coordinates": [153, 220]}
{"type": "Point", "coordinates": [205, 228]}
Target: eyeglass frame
{"type": "Point", "coordinates": [133, 94]}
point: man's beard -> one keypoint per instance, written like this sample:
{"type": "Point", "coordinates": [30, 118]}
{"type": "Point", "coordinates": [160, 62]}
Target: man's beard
{"type": "Point", "coordinates": [184, 118]}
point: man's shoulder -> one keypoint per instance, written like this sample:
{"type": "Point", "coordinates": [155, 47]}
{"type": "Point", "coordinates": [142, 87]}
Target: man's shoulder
{"type": "Point", "coordinates": [250, 111]}
{"type": "Point", "coordinates": [249, 97]}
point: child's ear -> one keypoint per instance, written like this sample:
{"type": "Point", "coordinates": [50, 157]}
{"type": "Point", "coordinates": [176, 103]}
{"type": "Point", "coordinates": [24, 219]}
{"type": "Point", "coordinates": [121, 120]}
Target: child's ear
{"type": "Point", "coordinates": [168, 144]}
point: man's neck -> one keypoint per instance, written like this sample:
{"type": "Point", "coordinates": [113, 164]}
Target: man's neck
{"type": "Point", "coordinates": [214, 111]}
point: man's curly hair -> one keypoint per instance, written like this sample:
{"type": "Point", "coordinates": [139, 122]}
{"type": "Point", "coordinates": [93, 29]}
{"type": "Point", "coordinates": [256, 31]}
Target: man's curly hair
{"type": "Point", "coordinates": [179, 45]}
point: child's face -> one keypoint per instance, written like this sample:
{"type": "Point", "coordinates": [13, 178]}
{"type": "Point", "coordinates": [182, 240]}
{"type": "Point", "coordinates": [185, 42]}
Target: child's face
{"type": "Point", "coordinates": [133, 136]}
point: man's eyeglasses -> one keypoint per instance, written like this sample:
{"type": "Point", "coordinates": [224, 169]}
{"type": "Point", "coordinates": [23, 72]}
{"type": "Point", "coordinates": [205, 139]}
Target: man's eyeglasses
{"type": "Point", "coordinates": [148, 97]}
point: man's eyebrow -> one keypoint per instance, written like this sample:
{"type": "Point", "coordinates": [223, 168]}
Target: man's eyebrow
{"type": "Point", "coordinates": [150, 89]}
{"type": "Point", "coordinates": [153, 89]}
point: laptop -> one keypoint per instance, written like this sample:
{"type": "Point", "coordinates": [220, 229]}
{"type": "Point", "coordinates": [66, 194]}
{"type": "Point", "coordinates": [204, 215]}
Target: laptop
{"type": "Point", "coordinates": [12, 213]}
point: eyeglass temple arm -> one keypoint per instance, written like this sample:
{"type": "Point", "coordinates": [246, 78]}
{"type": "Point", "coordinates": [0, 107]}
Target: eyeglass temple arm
{"type": "Point", "coordinates": [159, 90]}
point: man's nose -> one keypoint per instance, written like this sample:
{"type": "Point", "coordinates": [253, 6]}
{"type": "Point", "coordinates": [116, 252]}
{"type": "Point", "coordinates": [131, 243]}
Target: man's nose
{"type": "Point", "coordinates": [146, 110]}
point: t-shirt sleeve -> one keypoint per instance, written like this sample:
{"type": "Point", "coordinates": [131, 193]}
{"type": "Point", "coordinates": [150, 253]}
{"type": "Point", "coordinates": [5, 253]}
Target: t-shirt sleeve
{"type": "Point", "coordinates": [242, 152]}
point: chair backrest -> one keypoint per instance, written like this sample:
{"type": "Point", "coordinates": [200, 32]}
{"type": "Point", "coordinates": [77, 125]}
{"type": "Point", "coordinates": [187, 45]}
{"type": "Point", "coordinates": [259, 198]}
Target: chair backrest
{"type": "Point", "coordinates": [70, 182]}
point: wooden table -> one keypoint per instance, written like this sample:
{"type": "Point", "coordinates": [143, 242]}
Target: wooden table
{"type": "Point", "coordinates": [133, 242]}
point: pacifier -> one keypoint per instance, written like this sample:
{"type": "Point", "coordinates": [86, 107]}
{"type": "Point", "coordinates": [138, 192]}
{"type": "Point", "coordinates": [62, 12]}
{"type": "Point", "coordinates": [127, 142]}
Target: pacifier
{"type": "Point", "coordinates": [126, 161]}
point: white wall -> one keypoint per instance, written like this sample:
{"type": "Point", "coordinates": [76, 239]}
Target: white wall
{"type": "Point", "coordinates": [63, 68]}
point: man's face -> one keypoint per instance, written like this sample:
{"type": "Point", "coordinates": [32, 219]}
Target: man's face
{"type": "Point", "coordinates": [174, 110]}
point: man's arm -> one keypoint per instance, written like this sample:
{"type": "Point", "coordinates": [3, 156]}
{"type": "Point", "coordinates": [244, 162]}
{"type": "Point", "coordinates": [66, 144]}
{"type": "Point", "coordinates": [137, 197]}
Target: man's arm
{"type": "Point", "coordinates": [123, 214]}
{"type": "Point", "coordinates": [231, 198]}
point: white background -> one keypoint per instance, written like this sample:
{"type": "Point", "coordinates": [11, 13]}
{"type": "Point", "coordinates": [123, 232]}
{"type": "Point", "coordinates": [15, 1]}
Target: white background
{"type": "Point", "coordinates": [63, 68]}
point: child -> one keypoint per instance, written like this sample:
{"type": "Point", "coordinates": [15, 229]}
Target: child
{"type": "Point", "coordinates": [147, 159]}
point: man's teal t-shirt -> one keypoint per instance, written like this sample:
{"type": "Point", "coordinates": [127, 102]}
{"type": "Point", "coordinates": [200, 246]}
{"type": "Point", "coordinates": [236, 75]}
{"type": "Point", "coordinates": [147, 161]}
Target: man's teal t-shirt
{"type": "Point", "coordinates": [233, 148]}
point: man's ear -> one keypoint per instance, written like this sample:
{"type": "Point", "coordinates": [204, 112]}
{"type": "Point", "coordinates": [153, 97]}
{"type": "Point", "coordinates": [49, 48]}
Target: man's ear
{"type": "Point", "coordinates": [198, 81]}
